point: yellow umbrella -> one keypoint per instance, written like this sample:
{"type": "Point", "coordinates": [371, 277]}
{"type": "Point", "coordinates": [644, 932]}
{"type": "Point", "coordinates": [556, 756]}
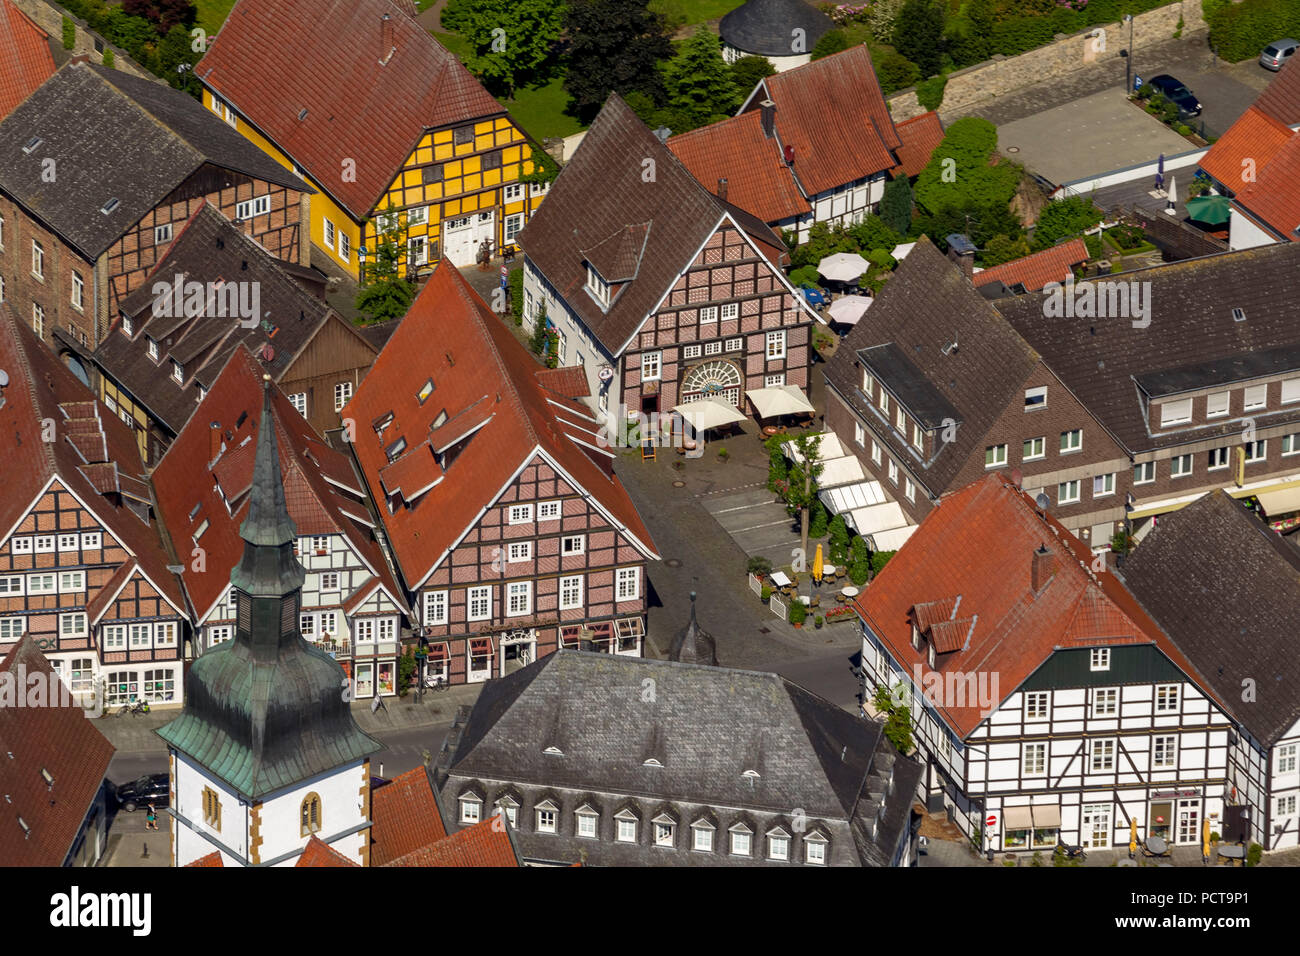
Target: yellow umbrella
{"type": "Point", "coordinates": [817, 565]}
{"type": "Point", "coordinates": [1132, 836]}
{"type": "Point", "coordinates": [1205, 839]}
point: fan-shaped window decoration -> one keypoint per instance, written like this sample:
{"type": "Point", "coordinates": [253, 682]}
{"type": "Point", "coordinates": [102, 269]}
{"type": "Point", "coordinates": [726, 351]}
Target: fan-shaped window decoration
{"type": "Point", "coordinates": [718, 380]}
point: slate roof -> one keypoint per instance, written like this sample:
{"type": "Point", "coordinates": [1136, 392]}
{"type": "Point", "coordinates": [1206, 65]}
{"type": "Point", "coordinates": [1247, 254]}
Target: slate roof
{"type": "Point", "coordinates": [323, 493]}
{"type": "Point", "coordinates": [600, 193]}
{"type": "Point", "coordinates": [264, 711]}
{"type": "Point", "coordinates": [1191, 325]}
{"type": "Point", "coordinates": [1226, 588]}
{"type": "Point", "coordinates": [833, 113]}
{"type": "Point", "coordinates": [480, 371]}
{"type": "Point", "coordinates": [919, 137]}
{"type": "Point", "coordinates": [927, 304]}
{"type": "Point", "coordinates": [766, 27]}
{"type": "Point", "coordinates": [710, 725]}
{"type": "Point", "coordinates": [25, 52]}
{"type": "Point", "coordinates": [208, 249]}
{"type": "Point", "coordinates": [890, 364]}
{"type": "Point", "coordinates": [347, 84]}
{"type": "Point", "coordinates": [119, 137]}
{"type": "Point", "coordinates": [41, 387]}
{"type": "Point", "coordinates": [1032, 272]}
{"type": "Point", "coordinates": [58, 739]}
{"type": "Point", "coordinates": [978, 545]}
{"type": "Point", "coordinates": [735, 149]}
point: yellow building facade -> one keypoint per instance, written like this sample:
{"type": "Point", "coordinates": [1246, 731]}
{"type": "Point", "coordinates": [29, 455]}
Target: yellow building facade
{"type": "Point", "coordinates": [458, 187]}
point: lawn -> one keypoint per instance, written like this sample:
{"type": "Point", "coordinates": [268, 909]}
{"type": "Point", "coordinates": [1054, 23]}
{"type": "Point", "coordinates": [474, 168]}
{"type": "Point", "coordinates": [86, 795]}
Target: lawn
{"type": "Point", "coordinates": [540, 110]}
{"type": "Point", "coordinates": [213, 13]}
{"type": "Point", "coordinates": [690, 12]}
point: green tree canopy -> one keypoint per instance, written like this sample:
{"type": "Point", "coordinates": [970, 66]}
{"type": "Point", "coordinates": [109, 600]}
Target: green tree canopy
{"type": "Point", "coordinates": [385, 292]}
{"type": "Point", "coordinates": [614, 47]}
{"type": "Point", "coordinates": [918, 34]}
{"type": "Point", "coordinates": [1063, 219]}
{"type": "Point", "coordinates": [698, 82]}
{"type": "Point", "coordinates": [512, 42]}
{"type": "Point", "coordinates": [896, 206]}
{"type": "Point", "coordinates": [748, 70]}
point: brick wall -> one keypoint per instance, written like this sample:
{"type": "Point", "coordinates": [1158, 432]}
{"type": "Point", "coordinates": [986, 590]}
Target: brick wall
{"type": "Point", "coordinates": [53, 292]}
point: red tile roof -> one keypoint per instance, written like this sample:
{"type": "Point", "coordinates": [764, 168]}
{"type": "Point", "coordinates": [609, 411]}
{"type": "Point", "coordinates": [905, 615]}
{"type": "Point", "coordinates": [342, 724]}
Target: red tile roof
{"type": "Point", "coordinates": [320, 853]}
{"type": "Point", "coordinates": [1255, 136]}
{"type": "Point", "coordinates": [336, 50]}
{"type": "Point", "coordinates": [919, 135]}
{"type": "Point", "coordinates": [1274, 196]}
{"type": "Point", "coordinates": [975, 550]}
{"type": "Point", "coordinates": [25, 53]}
{"type": "Point", "coordinates": [314, 475]}
{"type": "Point", "coordinates": [405, 816]}
{"type": "Point", "coordinates": [40, 388]}
{"type": "Point", "coordinates": [569, 382]}
{"type": "Point", "coordinates": [1035, 271]}
{"type": "Point", "coordinates": [476, 359]}
{"type": "Point", "coordinates": [833, 113]}
{"type": "Point", "coordinates": [735, 149]}
{"type": "Point", "coordinates": [58, 739]}
{"type": "Point", "coordinates": [486, 843]}
{"type": "Point", "coordinates": [212, 859]}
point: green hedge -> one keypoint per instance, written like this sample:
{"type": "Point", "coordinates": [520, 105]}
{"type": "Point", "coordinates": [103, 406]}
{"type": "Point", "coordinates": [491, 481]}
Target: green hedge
{"type": "Point", "coordinates": [1242, 30]}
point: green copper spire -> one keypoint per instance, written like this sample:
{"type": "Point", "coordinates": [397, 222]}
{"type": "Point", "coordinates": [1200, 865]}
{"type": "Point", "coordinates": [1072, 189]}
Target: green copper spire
{"type": "Point", "coordinates": [269, 567]}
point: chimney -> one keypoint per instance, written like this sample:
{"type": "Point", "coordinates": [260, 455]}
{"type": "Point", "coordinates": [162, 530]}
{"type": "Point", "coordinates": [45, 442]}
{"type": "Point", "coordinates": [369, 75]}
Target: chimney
{"type": "Point", "coordinates": [722, 188]}
{"type": "Point", "coordinates": [1017, 477]}
{"type": "Point", "coordinates": [214, 441]}
{"type": "Point", "coordinates": [962, 251]}
{"type": "Point", "coordinates": [386, 39]}
{"type": "Point", "coordinates": [768, 113]}
{"type": "Point", "coordinates": [1040, 573]}
{"type": "Point", "coordinates": [80, 58]}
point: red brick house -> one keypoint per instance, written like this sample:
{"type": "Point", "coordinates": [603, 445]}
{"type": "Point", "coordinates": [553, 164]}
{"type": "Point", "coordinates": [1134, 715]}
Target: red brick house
{"type": "Point", "coordinates": [83, 567]}
{"type": "Point", "coordinates": [98, 172]}
{"type": "Point", "coordinates": [502, 513]}
{"type": "Point", "coordinates": [663, 291]}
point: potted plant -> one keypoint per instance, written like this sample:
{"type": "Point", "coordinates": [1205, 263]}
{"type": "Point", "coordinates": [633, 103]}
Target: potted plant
{"type": "Point", "coordinates": [723, 455]}
{"type": "Point", "coordinates": [818, 621]}
{"type": "Point", "coordinates": [798, 612]}
{"type": "Point", "coordinates": [766, 594]}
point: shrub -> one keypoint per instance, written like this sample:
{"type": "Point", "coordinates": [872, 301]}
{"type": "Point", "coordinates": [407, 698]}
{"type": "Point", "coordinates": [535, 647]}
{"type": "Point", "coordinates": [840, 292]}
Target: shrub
{"type": "Point", "coordinates": [798, 612]}
{"type": "Point", "coordinates": [896, 72]}
{"type": "Point", "coordinates": [805, 275]}
{"type": "Point", "coordinates": [918, 34]}
{"type": "Point", "coordinates": [759, 565]}
{"type": "Point", "coordinates": [859, 562]}
{"type": "Point", "coordinates": [1002, 249]}
{"type": "Point", "coordinates": [1241, 30]}
{"type": "Point", "coordinates": [1182, 129]}
{"type": "Point", "coordinates": [929, 93]}
{"type": "Point", "coordinates": [1254, 854]}
{"type": "Point", "coordinates": [818, 520]}
{"type": "Point", "coordinates": [879, 559]}
{"type": "Point", "coordinates": [895, 209]}
{"type": "Point", "coordinates": [537, 341]}
{"type": "Point", "coordinates": [765, 593]}
{"type": "Point", "coordinates": [1126, 236]}
{"type": "Point", "coordinates": [839, 534]}
{"type": "Point", "coordinates": [109, 60]}
{"type": "Point", "coordinates": [517, 294]}
{"type": "Point", "coordinates": [1063, 219]}
{"type": "Point", "coordinates": [1094, 246]}
{"type": "Point", "coordinates": [69, 34]}
{"type": "Point", "coordinates": [832, 42]}
{"type": "Point", "coordinates": [405, 672]}
{"type": "Point", "coordinates": [875, 232]}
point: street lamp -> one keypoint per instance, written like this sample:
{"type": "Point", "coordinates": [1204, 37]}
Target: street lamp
{"type": "Point", "coordinates": [1128, 56]}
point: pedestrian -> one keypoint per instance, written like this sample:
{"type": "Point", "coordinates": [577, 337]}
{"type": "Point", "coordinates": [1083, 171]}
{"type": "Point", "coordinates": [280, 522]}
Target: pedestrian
{"type": "Point", "coordinates": [151, 818]}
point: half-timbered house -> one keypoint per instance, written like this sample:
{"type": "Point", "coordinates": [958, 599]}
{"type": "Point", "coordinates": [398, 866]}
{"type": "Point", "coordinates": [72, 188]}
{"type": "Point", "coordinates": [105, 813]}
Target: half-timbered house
{"type": "Point", "coordinates": [1227, 590]}
{"type": "Point", "coordinates": [352, 606]}
{"type": "Point", "coordinates": [214, 291]}
{"type": "Point", "coordinates": [381, 119]}
{"type": "Point", "coordinates": [499, 505]}
{"type": "Point", "coordinates": [664, 292]}
{"type": "Point", "coordinates": [694, 766]}
{"type": "Point", "coordinates": [98, 172]}
{"type": "Point", "coordinates": [1046, 704]}
{"type": "Point", "coordinates": [83, 568]}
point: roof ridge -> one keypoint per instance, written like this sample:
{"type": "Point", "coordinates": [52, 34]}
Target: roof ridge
{"type": "Point", "coordinates": [176, 137]}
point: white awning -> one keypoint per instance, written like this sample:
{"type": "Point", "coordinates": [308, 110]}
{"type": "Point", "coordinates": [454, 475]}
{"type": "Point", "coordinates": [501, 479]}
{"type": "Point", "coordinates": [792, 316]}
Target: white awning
{"type": "Point", "coordinates": [708, 413]}
{"type": "Point", "coordinates": [861, 495]}
{"type": "Point", "coordinates": [828, 447]}
{"type": "Point", "coordinates": [1018, 818]}
{"type": "Point", "coordinates": [779, 400]}
{"type": "Point", "coordinates": [1282, 502]}
{"type": "Point", "coordinates": [893, 539]}
{"type": "Point", "coordinates": [840, 471]}
{"type": "Point", "coordinates": [848, 309]}
{"type": "Point", "coordinates": [900, 251]}
{"type": "Point", "coordinates": [881, 517]}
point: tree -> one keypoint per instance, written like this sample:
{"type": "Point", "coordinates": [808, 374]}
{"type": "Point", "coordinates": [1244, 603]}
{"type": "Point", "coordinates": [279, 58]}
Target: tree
{"type": "Point", "coordinates": [831, 42]}
{"type": "Point", "coordinates": [777, 473]}
{"type": "Point", "coordinates": [698, 83]}
{"type": "Point", "coordinates": [614, 47]}
{"type": "Point", "coordinates": [538, 338]}
{"type": "Point", "coordinates": [896, 72]}
{"type": "Point", "coordinates": [512, 42]}
{"type": "Point", "coordinates": [162, 14]}
{"type": "Point", "coordinates": [749, 70]}
{"type": "Point", "coordinates": [801, 489]}
{"type": "Point", "coordinates": [918, 34]}
{"type": "Point", "coordinates": [859, 562]}
{"type": "Point", "coordinates": [839, 532]}
{"type": "Point", "coordinates": [965, 188]}
{"type": "Point", "coordinates": [896, 204]}
{"type": "Point", "coordinates": [820, 519]}
{"type": "Point", "coordinates": [385, 292]}
{"type": "Point", "coordinates": [1002, 249]}
{"type": "Point", "coordinates": [898, 718]}
{"type": "Point", "coordinates": [1064, 219]}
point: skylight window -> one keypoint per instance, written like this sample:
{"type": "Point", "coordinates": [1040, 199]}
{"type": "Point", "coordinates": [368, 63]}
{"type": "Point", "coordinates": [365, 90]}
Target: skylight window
{"type": "Point", "coordinates": [425, 392]}
{"type": "Point", "coordinates": [109, 206]}
{"type": "Point", "coordinates": [32, 144]}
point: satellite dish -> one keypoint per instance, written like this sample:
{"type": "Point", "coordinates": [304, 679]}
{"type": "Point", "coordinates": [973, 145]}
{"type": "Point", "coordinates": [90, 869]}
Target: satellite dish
{"type": "Point", "coordinates": [4, 378]}
{"type": "Point", "coordinates": [1042, 501]}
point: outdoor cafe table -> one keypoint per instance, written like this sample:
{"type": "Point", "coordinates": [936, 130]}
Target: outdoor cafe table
{"type": "Point", "coordinates": [1232, 852]}
{"type": "Point", "coordinates": [780, 580]}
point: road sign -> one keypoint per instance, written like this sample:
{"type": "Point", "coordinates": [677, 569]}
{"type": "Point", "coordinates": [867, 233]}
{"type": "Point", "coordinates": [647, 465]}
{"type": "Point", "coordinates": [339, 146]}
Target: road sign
{"type": "Point", "coordinates": [992, 821]}
{"type": "Point", "coordinates": [1137, 82]}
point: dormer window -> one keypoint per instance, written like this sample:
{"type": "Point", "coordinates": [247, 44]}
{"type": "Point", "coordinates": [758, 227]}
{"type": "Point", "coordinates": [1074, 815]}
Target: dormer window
{"type": "Point", "coordinates": [597, 286]}
{"type": "Point", "coordinates": [127, 327]}
{"type": "Point", "coordinates": [153, 350]}
{"type": "Point", "coordinates": [178, 372]}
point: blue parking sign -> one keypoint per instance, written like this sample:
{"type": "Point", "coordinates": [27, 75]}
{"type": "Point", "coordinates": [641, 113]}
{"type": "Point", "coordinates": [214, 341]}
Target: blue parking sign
{"type": "Point", "coordinates": [1137, 82]}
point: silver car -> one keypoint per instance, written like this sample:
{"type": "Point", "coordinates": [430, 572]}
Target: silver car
{"type": "Point", "coordinates": [1275, 55]}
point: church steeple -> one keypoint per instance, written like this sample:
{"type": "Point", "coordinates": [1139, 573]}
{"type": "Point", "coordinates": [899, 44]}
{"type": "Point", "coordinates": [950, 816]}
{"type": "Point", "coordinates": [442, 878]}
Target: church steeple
{"type": "Point", "coordinates": [693, 644]}
{"type": "Point", "coordinates": [269, 567]}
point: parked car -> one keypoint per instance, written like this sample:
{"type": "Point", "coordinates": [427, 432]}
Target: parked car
{"type": "Point", "coordinates": [1173, 90]}
{"type": "Point", "coordinates": [1276, 54]}
{"type": "Point", "coordinates": [152, 788]}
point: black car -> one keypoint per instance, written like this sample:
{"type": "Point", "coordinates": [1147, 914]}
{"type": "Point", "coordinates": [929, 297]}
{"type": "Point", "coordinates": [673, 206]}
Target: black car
{"type": "Point", "coordinates": [1173, 90]}
{"type": "Point", "coordinates": [153, 788]}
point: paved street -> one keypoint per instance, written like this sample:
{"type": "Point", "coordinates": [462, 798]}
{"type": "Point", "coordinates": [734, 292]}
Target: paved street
{"type": "Point", "coordinates": [758, 524]}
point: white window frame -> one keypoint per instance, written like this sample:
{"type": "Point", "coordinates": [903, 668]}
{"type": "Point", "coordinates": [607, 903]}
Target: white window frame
{"type": "Point", "coordinates": [72, 582]}
{"type": "Point", "coordinates": [1099, 659]}
{"type": "Point", "coordinates": [47, 582]}
{"type": "Point", "coordinates": [1253, 397]}
{"type": "Point", "coordinates": [78, 292]}
{"type": "Point", "coordinates": [1038, 705]}
{"type": "Point", "coordinates": [625, 827]}
{"type": "Point", "coordinates": [520, 514]}
{"type": "Point", "coordinates": [814, 849]}
{"type": "Point", "coordinates": [1218, 458]}
{"type": "Point", "coordinates": [114, 637]}
{"type": "Point", "coordinates": [73, 624]}
{"type": "Point", "coordinates": [519, 551]}
{"type": "Point", "coordinates": [774, 381]}
{"type": "Point", "coordinates": [740, 841]}
{"type": "Point", "coordinates": [250, 208]}
{"type": "Point", "coordinates": [38, 260]}
{"type": "Point", "coordinates": [1212, 408]}
{"type": "Point", "coordinates": [481, 595]}
{"type": "Point", "coordinates": [1105, 702]}
{"type": "Point", "coordinates": [1286, 758]}
{"type": "Point", "coordinates": [345, 246]}
{"type": "Point", "coordinates": [12, 628]}
{"type": "Point", "coordinates": [471, 809]}
{"type": "Point", "coordinates": [736, 345]}
{"type": "Point", "coordinates": [627, 584]}
{"type": "Point", "coordinates": [1170, 754]}
{"type": "Point", "coordinates": [1037, 448]}
{"type": "Point", "coordinates": [1067, 441]}
{"type": "Point", "coordinates": [702, 833]}
{"type": "Point", "coordinates": [329, 581]}
{"type": "Point", "coordinates": [1291, 444]}
{"type": "Point", "coordinates": [995, 456]}
{"type": "Point", "coordinates": [775, 345]}
{"type": "Point", "coordinates": [730, 310]}
{"type": "Point", "coordinates": [1146, 468]}
{"type": "Point", "coordinates": [652, 366]}
{"type": "Point", "coordinates": [330, 232]}
{"type": "Point", "coordinates": [572, 544]}
{"type": "Point", "coordinates": [141, 634]}
{"type": "Point", "coordinates": [548, 511]}
{"type": "Point", "coordinates": [299, 401]}
{"type": "Point", "coordinates": [708, 314]}
{"type": "Point", "coordinates": [587, 824]}
{"type": "Point", "coordinates": [1035, 398]}
{"type": "Point", "coordinates": [1175, 412]}
{"type": "Point", "coordinates": [1168, 698]}
{"type": "Point", "coordinates": [1256, 451]}
{"type": "Point", "coordinates": [573, 599]}
{"type": "Point", "coordinates": [342, 395]}
{"type": "Point", "coordinates": [1069, 492]}
{"type": "Point", "coordinates": [1101, 757]}
{"type": "Point", "coordinates": [1033, 759]}
{"type": "Point", "coordinates": [516, 590]}
{"type": "Point", "coordinates": [778, 839]}
{"type": "Point", "coordinates": [691, 351]}
{"type": "Point", "coordinates": [1107, 484]}
{"type": "Point", "coordinates": [859, 435]}
{"type": "Point", "coordinates": [1187, 466]}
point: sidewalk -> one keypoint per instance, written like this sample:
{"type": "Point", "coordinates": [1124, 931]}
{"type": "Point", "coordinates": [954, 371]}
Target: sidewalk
{"type": "Point", "coordinates": [136, 734]}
